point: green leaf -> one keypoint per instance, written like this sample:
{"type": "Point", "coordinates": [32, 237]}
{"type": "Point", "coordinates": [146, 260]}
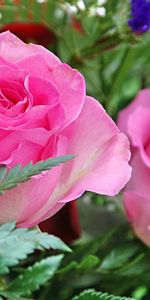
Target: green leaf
{"type": "Point", "coordinates": [11, 296]}
{"type": "Point", "coordinates": [121, 74]}
{"type": "Point", "coordinates": [35, 276]}
{"type": "Point", "coordinates": [3, 171]}
{"type": "Point", "coordinates": [88, 262]}
{"type": "Point", "coordinates": [140, 292]}
{"type": "Point", "coordinates": [69, 267]}
{"type": "Point", "coordinates": [93, 295]}
{"type": "Point", "coordinates": [11, 238]}
{"type": "Point", "coordinates": [119, 256]}
{"type": "Point", "coordinates": [16, 175]}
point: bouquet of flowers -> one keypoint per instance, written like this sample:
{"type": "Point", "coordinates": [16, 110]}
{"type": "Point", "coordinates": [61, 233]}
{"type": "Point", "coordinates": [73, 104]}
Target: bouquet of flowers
{"type": "Point", "coordinates": [74, 124]}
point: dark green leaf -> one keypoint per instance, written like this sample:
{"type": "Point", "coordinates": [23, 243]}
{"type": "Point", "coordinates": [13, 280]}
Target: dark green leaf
{"type": "Point", "coordinates": [88, 262]}
{"type": "Point", "coordinates": [119, 256]}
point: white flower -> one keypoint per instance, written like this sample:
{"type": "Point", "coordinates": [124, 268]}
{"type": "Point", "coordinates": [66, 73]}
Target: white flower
{"type": "Point", "coordinates": [97, 11]}
{"type": "Point", "coordinates": [81, 5]}
{"type": "Point", "coordinates": [70, 9]}
{"type": "Point", "coordinates": [101, 11]}
{"type": "Point", "coordinates": [59, 13]}
{"type": "Point", "coordinates": [92, 11]}
{"type": "Point", "coordinates": [101, 2]}
{"type": "Point", "coordinates": [41, 1]}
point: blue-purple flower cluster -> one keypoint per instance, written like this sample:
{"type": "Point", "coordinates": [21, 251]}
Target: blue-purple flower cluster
{"type": "Point", "coordinates": [140, 11]}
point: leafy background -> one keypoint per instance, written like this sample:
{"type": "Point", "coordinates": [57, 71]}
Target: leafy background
{"type": "Point", "coordinates": [108, 257]}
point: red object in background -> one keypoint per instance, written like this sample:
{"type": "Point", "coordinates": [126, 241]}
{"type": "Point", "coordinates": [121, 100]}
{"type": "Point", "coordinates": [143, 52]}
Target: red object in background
{"type": "Point", "coordinates": [65, 224]}
{"type": "Point", "coordinates": [77, 25]}
{"type": "Point", "coordinates": [27, 32]}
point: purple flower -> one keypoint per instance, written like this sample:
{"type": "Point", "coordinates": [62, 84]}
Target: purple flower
{"type": "Point", "coordinates": [140, 11]}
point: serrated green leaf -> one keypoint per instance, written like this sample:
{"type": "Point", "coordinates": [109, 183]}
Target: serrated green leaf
{"type": "Point", "coordinates": [8, 227]}
{"type": "Point", "coordinates": [17, 174]}
{"type": "Point", "coordinates": [93, 295]}
{"type": "Point", "coordinates": [13, 172]}
{"type": "Point", "coordinates": [50, 241]}
{"type": "Point", "coordinates": [29, 239]}
{"type": "Point", "coordinates": [33, 277]}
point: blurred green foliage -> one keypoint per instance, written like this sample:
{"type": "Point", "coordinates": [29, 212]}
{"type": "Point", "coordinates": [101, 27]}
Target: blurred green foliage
{"type": "Point", "coordinates": [115, 63]}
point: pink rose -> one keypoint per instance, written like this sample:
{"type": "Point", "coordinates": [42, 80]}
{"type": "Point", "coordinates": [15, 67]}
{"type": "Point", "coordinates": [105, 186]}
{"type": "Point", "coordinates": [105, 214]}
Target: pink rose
{"type": "Point", "coordinates": [44, 113]}
{"type": "Point", "coordinates": [135, 122]}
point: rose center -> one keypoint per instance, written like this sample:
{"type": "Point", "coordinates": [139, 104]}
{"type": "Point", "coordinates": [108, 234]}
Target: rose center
{"type": "Point", "coordinates": [10, 96]}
